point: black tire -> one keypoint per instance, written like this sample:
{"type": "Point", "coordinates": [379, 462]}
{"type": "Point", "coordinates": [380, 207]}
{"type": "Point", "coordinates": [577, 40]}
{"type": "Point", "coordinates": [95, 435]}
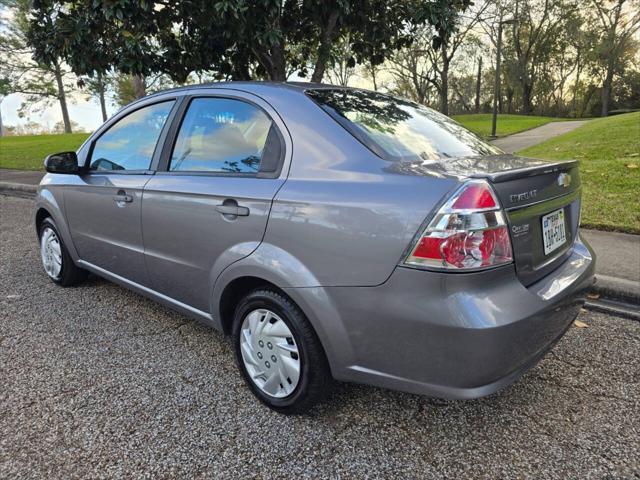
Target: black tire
{"type": "Point", "coordinates": [70, 274]}
{"type": "Point", "coordinates": [315, 376]}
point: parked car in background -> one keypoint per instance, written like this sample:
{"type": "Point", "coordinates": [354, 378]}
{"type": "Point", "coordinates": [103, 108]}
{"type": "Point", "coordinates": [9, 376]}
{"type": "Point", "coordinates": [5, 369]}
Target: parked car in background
{"type": "Point", "coordinates": [334, 232]}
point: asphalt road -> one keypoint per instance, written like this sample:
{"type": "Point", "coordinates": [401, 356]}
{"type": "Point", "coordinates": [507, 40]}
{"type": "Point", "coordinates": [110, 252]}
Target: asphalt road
{"type": "Point", "coordinates": [96, 381]}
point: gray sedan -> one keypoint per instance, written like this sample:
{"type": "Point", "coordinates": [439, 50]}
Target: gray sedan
{"type": "Point", "coordinates": [335, 233]}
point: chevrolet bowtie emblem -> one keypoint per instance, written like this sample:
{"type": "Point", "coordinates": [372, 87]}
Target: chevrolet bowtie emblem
{"type": "Point", "coordinates": [564, 180]}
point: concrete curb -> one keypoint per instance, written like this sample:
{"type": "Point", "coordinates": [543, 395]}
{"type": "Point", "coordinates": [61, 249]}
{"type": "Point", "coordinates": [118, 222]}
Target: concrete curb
{"type": "Point", "coordinates": [18, 189]}
{"type": "Point", "coordinates": [619, 289]}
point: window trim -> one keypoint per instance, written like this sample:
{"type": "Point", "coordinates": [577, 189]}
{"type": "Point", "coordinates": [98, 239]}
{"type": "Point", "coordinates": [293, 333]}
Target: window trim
{"type": "Point", "coordinates": [125, 112]}
{"type": "Point", "coordinates": [174, 131]}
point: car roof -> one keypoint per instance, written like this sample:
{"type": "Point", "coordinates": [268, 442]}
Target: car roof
{"type": "Point", "coordinates": [251, 86]}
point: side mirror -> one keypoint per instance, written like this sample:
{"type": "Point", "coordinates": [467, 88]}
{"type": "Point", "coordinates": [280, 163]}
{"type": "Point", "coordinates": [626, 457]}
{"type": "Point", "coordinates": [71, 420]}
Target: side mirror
{"type": "Point", "coordinates": [65, 162]}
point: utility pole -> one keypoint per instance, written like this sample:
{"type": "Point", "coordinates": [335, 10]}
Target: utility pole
{"type": "Point", "coordinates": [496, 89]}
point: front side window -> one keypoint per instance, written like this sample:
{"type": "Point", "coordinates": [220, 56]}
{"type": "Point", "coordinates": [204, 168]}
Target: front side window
{"type": "Point", "coordinates": [130, 142]}
{"type": "Point", "coordinates": [399, 130]}
{"type": "Point", "coordinates": [224, 136]}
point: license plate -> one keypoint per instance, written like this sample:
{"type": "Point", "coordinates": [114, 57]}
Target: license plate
{"type": "Point", "coordinates": [553, 231]}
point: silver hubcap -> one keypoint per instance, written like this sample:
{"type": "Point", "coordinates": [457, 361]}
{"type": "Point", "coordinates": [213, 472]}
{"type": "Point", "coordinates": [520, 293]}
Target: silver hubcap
{"type": "Point", "coordinates": [51, 253]}
{"type": "Point", "coordinates": [270, 353]}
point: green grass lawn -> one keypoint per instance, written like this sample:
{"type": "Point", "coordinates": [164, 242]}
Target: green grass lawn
{"type": "Point", "coordinates": [480, 124]}
{"type": "Point", "coordinates": [28, 152]}
{"type": "Point", "coordinates": [609, 154]}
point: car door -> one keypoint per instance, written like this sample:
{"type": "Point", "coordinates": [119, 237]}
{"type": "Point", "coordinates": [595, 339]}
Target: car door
{"type": "Point", "coordinates": [209, 202]}
{"type": "Point", "coordinates": [103, 207]}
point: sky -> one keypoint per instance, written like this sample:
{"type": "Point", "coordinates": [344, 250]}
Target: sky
{"type": "Point", "coordinates": [85, 112]}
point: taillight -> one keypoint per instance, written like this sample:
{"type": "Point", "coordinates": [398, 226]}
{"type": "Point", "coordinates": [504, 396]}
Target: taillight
{"type": "Point", "coordinates": [468, 232]}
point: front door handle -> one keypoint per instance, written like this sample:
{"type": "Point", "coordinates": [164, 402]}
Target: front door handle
{"type": "Point", "coordinates": [122, 197]}
{"type": "Point", "coordinates": [232, 210]}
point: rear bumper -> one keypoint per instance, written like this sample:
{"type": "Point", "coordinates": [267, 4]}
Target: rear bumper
{"type": "Point", "coordinates": [453, 335]}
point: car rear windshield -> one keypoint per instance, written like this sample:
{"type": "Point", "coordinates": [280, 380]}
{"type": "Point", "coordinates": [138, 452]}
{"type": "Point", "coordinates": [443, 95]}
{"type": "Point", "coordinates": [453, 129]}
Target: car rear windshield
{"type": "Point", "coordinates": [399, 130]}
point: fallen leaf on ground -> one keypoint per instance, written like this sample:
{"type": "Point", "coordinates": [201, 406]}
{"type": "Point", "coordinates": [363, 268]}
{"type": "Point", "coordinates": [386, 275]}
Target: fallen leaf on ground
{"type": "Point", "coordinates": [632, 165]}
{"type": "Point", "coordinates": [580, 324]}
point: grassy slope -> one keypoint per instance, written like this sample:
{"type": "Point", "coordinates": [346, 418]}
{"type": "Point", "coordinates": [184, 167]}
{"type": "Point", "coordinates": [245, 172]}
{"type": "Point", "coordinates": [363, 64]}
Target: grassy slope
{"type": "Point", "coordinates": [480, 124]}
{"type": "Point", "coordinates": [28, 152]}
{"type": "Point", "coordinates": [609, 151]}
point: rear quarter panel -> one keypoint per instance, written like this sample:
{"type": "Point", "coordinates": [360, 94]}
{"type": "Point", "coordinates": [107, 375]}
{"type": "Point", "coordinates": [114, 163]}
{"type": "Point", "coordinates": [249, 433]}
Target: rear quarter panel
{"type": "Point", "coordinates": [341, 213]}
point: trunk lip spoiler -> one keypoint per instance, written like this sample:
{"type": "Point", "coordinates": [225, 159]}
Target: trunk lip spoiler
{"type": "Point", "coordinates": [508, 175]}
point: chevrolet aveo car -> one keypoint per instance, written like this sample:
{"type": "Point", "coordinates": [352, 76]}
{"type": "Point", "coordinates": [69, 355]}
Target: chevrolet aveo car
{"type": "Point", "coordinates": [336, 234]}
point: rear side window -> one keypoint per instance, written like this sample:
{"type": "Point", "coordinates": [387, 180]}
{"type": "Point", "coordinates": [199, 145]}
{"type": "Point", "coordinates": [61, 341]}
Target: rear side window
{"type": "Point", "coordinates": [130, 142]}
{"type": "Point", "coordinates": [399, 130]}
{"type": "Point", "coordinates": [224, 135]}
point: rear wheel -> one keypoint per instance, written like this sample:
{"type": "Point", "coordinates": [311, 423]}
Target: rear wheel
{"type": "Point", "coordinates": [278, 352]}
{"type": "Point", "coordinates": [55, 258]}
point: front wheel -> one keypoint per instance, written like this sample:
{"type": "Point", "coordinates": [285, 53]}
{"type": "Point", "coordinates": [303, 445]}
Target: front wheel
{"type": "Point", "coordinates": [279, 353]}
{"type": "Point", "coordinates": [56, 260]}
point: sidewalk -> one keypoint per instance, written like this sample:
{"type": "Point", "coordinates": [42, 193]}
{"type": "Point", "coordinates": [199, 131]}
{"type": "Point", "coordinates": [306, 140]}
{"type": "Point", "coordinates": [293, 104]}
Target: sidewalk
{"type": "Point", "coordinates": [528, 138]}
{"type": "Point", "coordinates": [617, 267]}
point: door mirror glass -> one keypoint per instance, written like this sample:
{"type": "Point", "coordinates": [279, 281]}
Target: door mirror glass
{"type": "Point", "coordinates": [65, 162]}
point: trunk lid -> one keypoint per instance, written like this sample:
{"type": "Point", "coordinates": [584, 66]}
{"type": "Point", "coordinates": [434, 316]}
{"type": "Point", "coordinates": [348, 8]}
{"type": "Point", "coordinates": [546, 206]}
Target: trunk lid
{"type": "Point", "coordinates": [530, 196]}
{"type": "Point", "coordinates": [529, 190]}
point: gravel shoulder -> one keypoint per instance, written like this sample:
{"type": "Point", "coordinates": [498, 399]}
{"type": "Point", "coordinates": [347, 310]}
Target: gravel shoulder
{"type": "Point", "coordinates": [96, 381]}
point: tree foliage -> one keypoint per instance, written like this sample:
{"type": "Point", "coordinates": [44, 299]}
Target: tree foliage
{"type": "Point", "coordinates": [40, 82]}
{"type": "Point", "coordinates": [235, 39]}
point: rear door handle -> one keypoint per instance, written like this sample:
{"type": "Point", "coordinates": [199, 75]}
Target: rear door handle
{"type": "Point", "coordinates": [232, 210]}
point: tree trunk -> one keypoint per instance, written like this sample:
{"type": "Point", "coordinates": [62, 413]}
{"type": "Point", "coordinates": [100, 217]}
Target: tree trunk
{"type": "Point", "coordinates": [606, 88]}
{"type": "Point", "coordinates": [324, 49]}
{"type": "Point", "coordinates": [611, 62]}
{"type": "Point", "coordinates": [444, 81]}
{"type": "Point", "coordinates": [63, 99]}
{"type": "Point", "coordinates": [576, 86]}
{"type": "Point", "coordinates": [373, 78]}
{"type": "Point", "coordinates": [527, 91]}
{"type": "Point", "coordinates": [139, 88]}
{"type": "Point", "coordinates": [279, 65]}
{"type": "Point", "coordinates": [478, 81]}
{"type": "Point", "coordinates": [275, 63]}
{"type": "Point", "coordinates": [240, 72]}
{"type": "Point", "coordinates": [103, 104]}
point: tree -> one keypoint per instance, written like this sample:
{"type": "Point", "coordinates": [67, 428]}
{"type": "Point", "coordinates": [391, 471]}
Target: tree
{"type": "Point", "coordinates": [537, 25]}
{"type": "Point", "coordinates": [414, 68]}
{"type": "Point", "coordinates": [127, 88]}
{"type": "Point", "coordinates": [97, 87]}
{"type": "Point", "coordinates": [619, 20]}
{"type": "Point", "coordinates": [235, 39]}
{"type": "Point", "coordinates": [5, 89]}
{"type": "Point", "coordinates": [342, 63]}
{"type": "Point", "coordinates": [450, 42]}
{"type": "Point", "coordinates": [39, 82]}
{"type": "Point", "coordinates": [426, 62]}
{"type": "Point", "coordinates": [60, 127]}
